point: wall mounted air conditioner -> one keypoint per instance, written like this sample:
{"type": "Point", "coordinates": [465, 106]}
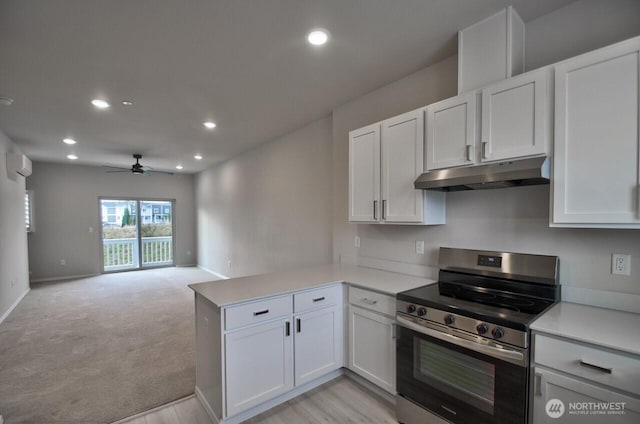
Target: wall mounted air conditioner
{"type": "Point", "coordinates": [18, 163]}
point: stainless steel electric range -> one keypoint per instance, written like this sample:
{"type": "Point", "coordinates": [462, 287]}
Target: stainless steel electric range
{"type": "Point", "coordinates": [463, 343]}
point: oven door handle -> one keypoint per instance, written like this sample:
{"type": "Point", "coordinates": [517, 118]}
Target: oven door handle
{"type": "Point", "coordinates": [496, 352]}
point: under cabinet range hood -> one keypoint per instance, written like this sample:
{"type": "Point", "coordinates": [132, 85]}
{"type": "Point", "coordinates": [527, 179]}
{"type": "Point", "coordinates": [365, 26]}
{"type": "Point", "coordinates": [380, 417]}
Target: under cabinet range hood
{"type": "Point", "coordinates": [512, 173]}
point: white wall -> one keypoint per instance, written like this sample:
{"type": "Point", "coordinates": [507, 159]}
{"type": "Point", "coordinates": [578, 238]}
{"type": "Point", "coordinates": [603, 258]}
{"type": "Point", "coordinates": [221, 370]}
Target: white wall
{"type": "Point", "coordinates": [14, 268]}
{"type": "Point", "coordinates": [509, 219]}
{"type": "Point", "coordinates": [66, 205]}
{"type": "Point", "coordinates": [270, 208]}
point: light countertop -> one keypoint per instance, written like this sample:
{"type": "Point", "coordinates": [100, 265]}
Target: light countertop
{"type": "Point", "coordinates": [603, 327]}
{"type": "Point", "coordinates": [236, 290]}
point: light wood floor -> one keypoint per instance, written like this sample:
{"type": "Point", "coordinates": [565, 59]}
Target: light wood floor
{"type": "Point", "coordinates": [340, 401]}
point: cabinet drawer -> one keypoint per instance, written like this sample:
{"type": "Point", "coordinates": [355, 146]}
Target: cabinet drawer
{"type": "Point", "coordinates": [591, 363]}
{"type": "Point", "coordinates": [372, 300]}
{"type": "Point", "coordinates": [326, 296]}
{"type": "Point", "coordinates": [255, 312]}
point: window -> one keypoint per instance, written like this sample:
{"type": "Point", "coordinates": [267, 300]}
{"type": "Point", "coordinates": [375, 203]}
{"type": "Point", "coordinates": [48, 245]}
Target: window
{"type": "Point", "coordinates": [28, 211]}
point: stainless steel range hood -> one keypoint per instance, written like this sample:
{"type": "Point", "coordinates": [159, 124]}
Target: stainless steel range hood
{"type": "Point", "coordinates": [519, 172]}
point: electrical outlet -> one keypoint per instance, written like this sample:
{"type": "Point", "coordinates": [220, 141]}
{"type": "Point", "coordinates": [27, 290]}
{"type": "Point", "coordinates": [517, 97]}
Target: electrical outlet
{"type": "Point", "coordinates": [91, 229]}
{"type": "Point", "coordinates": [356, 241]}
{"type": "Point", "coordinates": [620, 264]}
{"type": "Point", "coordinates": [420, 247]}
{"type": "Point", "coordinates": [13, 283]}
{"type": "Point", "coordinates": [229, 264]}
{"type": "Point", "coordinates": [63, 262]}
{"type": "Point", "coordinates": [188, 252]}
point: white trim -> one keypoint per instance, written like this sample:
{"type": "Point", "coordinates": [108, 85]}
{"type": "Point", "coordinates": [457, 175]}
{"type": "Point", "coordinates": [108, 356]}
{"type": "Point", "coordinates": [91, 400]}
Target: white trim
{"type": "Point", "coordinates": [66, 277]}
{"type": "Point", "coordinates": [157, 408]}
{"type": "Point", "coordinates": [626, 302]}
{"type": "Point", "coordinates": [210, 271]}
{"type": "Point", "coordinates": [206, 406]}
{"type": "Point", "coordinates": [12, 307]}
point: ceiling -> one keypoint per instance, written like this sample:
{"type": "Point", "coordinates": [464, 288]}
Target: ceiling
{"type": "Point", "coordinates": [244, 64]}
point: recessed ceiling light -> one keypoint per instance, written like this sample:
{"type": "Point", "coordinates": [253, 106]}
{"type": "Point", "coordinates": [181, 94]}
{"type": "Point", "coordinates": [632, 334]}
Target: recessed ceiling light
{"type": "Point", "coordinates": [178, 166]}
{"type": "Point", "coordinates": [127, 103]}
{"type": "Point", "coordinates": [100, 104]}
{"type": "Point", "coordinates": [69, 141]}
{"type": "Point", "coordinates": [198, 157]}
{"type": "Point", "coordinates": [210, 125]}
{"type": "Point", "coordinates": [6, 101]}
{"type": "Point", "coordinates": [72, 157]}
{"type": "Point", "coordinates": [318, 37]}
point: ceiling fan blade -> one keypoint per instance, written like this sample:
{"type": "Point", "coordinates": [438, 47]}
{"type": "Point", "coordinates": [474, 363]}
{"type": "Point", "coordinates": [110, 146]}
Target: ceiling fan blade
{"type": "Point", "coordinates": [119, 170]}
{"type": "Point", "coordinates": [148, 172]}
{"type": "Point", "coordinates": [116, 167]}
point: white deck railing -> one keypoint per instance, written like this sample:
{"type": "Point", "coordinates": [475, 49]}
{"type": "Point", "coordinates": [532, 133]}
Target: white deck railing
{"type": "Point", "coordinates": [122, 254]}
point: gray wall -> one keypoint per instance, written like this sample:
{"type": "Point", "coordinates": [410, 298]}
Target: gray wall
{"type": "Point", "coordinates": [509, 219]}
{"type": "Point", "coordinates": [14, 268]}
{"type": "Point", "coordinates": [270, 208]}
{"type": "Point", "coordinates": [66, 205]}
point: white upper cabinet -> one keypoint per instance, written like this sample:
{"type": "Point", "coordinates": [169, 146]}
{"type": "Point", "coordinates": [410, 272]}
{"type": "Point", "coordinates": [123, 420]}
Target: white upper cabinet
{"type": "Point", "coordinates": [381, 181]}
{"type": "Point", "coordinates": [516, 122]}
{"type": "Point", "coordinates": [597, 150]}
{"type": "Point", "coordinates": [402, 162]}
{"type": "Point", "coordinates": [451, 132]}
{"type": "Point", "coordinates": [516, 117]}
{"type": "Point", "coordinates": [364, 174]}
{"type": "Point", "coordinates": [490, 50]}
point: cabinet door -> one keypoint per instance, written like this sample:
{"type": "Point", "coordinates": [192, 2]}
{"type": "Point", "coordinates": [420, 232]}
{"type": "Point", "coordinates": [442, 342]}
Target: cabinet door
{"type": "Point", "coordinates": [364, 174]}
{"type": "Point", "coordinates": [402, 162]}
{"type": "Point", "coordinates": [372, 347]}
{"type": "Point", "coordinates": [258, 365]}
{"type": "Point", "coordinates": [596, 175]}
{"type": "Point", "coordinates": [515, 117]}
{"type": "Point", "coordinates": [451, 132]}
{"type": "Point", "coordinates": [567, 395]}
{"type": "Point", "coordinates": [318, 347]}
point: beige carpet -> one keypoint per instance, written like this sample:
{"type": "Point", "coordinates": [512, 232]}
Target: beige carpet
{"type": "Point", "coordinates": [99, 349]}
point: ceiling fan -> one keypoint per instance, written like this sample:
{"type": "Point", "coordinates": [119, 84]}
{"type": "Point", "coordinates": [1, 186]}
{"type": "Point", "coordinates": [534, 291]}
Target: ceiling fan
{"type": "Point", "coordinates": [137, 168]}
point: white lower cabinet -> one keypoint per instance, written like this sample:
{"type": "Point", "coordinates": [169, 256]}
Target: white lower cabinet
{"type": "Point", "coordinates": [573, 382]}
{"type": "Point", "coordinates": [372, 347]}
{"type": "Point", "coordinates": [578, 401]}
{"type": "Point", "coordinates": [253, 355]}
{"type": "Point", "coordinates": [259, 364]}
{"type": "Point", "coordinates": [317, 344]}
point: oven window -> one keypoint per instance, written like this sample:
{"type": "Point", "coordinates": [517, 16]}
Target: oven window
{"type": "Point", "coordinates": [463, 377]}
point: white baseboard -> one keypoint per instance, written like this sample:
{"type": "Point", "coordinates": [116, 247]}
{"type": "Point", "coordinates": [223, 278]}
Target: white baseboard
{"type": "Point", "coordinates": [66, 277]}
{"type": "Point", "coordinates": [210, 271]}
{"type": "Point", "coordinates": [11, 308]}
{"type": "Point", "coordinates": [157, 408]}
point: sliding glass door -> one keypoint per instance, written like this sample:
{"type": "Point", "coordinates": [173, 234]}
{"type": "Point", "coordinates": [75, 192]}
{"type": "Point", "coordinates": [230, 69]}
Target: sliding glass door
{"type": "Point", "coordinates": [136, 233]}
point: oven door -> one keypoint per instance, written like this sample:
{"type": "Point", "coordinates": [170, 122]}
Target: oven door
{"type": "Point", "coordinates": [460, 377]}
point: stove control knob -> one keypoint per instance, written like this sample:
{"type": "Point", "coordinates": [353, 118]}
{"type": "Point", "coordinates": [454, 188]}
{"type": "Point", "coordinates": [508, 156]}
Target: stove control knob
{"type": "Point", "coordinates": [448, 319]}
{"type": "Point", "coordinates": [422, 312]}
{"type": "Point", "coordinates": [411, 309]}
{"type": "Point", "coordinates": [482, 328]}
{"type": "Point", "coordinates": [497, 332]}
